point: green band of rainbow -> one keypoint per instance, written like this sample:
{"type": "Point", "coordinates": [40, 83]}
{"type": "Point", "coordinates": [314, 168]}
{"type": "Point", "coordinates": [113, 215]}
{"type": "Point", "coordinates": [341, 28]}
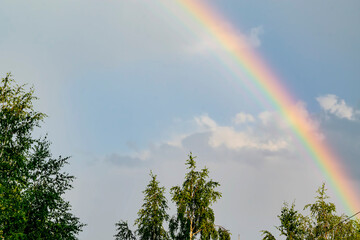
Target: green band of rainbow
{"type": "Point", "coordinates": [250, 69]}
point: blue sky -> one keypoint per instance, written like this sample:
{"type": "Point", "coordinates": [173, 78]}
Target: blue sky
{"type": "Point", "coordinates": [129, 88]}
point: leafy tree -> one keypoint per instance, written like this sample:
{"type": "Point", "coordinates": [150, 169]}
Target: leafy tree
{"type": "Point", "coordinates": [48, 214]}
{"type": "Point", "coordinates": [193, 201]}
{"type": "Point", "coordinates": [267, 235]}
{"type": "Point", "coordinates": [292, 226]}
{"type": "Point", "coordinates": [31, 181]}
{"type": "Point", "coordinates": [223, 234]}
{"type": "Point", "coordinates": [123, 231]}
{"type": "Point", "coordinates": [151, 216]}
{"type": "Point", "coordinates": [194, 218]}
{"type": "Point", "coordinates": [153, 212]}
{"type": "Point", "coordinates": [291, 223]}
{"type": "Point", "coordinates": [322, 217]}
{"type": "Point", "coordinates": [321, 224]}
{"type": "Point", "coordinates": [17, 120]}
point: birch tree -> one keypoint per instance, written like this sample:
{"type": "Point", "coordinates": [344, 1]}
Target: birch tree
{"type": "Point", "coordinates": [193, 200]}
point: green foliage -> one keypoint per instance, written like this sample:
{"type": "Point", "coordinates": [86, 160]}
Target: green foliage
{"type": "Point", "coordinates": [151, 216]}
{"type": "Point", "coordinates": [267, 235]}
{"type": "Point", "coordinates": [291, 223]}
{"type": "Point", "coordinates": [153, 212]}
{"type": "Point", "coordinates": [223, 234]}
{"type": "Point", "coordinates": [17, 120]}
{"type": "Point", "coordinates": [31, 182]}
{"type": "Point", "coordinates": [193, 201]}
{"type": "Point", "coordinates": [194, 219]}
{"type": "Point", "coordinates": [123, 231]}
{"type": "Point", "coordinates": [322, 218]}
{"type": "Point", "coordinates": [321, 224]}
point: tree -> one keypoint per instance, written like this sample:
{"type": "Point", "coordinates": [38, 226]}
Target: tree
{"type": "Point", "coordinates": [291, 223]}
{"type": "Point", "coordinates": [193, 201]}
{"type": "Point", "coordinates": [153, 212]}
{"type": "Point", "coordinates": [322, 218]}
{"type": "Point", "coordinates": [223, 234]}
{"type": "Point", "coordinates": [321, 224]}
{"type": "Point", "coordinates": [48, 214]}
{"type": "Point", "coordinates": [31, 181]}
{"type": "Point", "coordinates": [123, 231]}
{"type": "Point", "coordinates": [151, 216]}
{"type": "Point", "coordinates": [267, 235]}
{"type": "Point", "coordinates": [195, 216]}
{"type": "Point", "coordinates": [17, 120]}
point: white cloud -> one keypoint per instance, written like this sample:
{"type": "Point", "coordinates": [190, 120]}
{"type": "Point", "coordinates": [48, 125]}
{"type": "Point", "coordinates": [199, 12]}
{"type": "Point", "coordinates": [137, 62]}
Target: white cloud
{"type": "Point", "coordinates": [231, 139]}
{"type": "Point", "coordinates": [269, 131]}
{"type": "Point", "coordinates": [331, 103]}
{"type": "Point", "coordinates": [250, 138]}
{"type": "Point", "coordinates": [273, 120]}
{"type": "Point", "coordinates": [206, 43]}
{"type": "Point", "coordinates": [311, 125]}
{"type": "Point", "coordinates": [267, 117]}
{"type": "Point", "coordinates": [176, 141]}
{"type": "Point", "coordinates": [203, 45]}
{"type": "Point", "coordinates": [253, 37]}
{"type": "Point", "coordinates": [206, 121]}
{"type": "Point", "coordinates": [243, 118]}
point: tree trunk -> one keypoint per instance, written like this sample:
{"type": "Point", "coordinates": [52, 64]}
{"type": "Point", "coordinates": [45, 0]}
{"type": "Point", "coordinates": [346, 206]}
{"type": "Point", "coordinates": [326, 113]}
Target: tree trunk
{"type": "Point", "coordinates": [191, 231]}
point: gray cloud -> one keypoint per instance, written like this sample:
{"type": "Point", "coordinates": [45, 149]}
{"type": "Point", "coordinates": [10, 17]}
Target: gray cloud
{"type": "Point", "coordinates": [124, 160]}
{"type": "Point", "coordinates": [344, 137]}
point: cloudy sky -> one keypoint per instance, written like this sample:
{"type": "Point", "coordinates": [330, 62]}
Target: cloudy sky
{"type": "Point", "coordinates": [130, 87]}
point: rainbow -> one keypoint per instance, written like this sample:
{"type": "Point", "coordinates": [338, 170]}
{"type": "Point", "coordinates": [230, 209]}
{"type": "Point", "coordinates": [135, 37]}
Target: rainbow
{"type": "Point", "coordinates": [251, 70]}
